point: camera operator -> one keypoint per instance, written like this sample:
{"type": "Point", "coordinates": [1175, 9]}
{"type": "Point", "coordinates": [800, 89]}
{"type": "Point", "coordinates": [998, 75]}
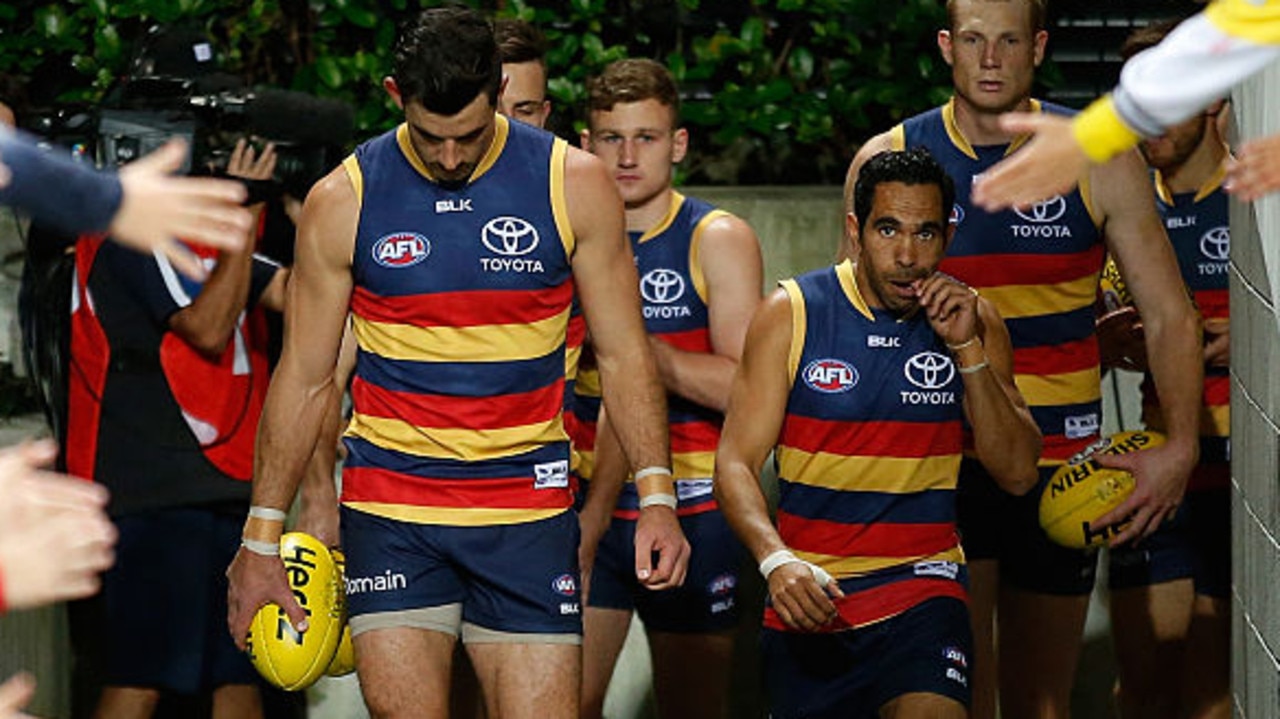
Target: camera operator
{"type": "Point", "coordinates": [166, 385]}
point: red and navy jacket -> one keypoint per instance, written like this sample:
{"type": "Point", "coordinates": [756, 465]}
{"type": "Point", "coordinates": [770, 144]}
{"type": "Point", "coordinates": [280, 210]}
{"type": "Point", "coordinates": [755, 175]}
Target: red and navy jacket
{"type": "Point", "coordinates": [148, 415]}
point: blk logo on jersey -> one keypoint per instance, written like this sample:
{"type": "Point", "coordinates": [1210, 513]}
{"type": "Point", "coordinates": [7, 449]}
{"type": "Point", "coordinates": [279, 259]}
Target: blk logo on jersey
{"type": "Point", "coordinates": [459, 205]}
{"type": "Point", "coordinates": [830, 376]}
{"type": "Point", "coordinates": [510, 238]}
{"type": "Point", "coordinates": [1041, 218]}
{"type": "Point", "coordinates": [883, 341]}
{"type": "Point", "coordinates": [401, 249]}
{"type": "Point", "coordinates": [930, 372]}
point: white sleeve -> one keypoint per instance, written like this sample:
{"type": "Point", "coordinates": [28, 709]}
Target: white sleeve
{"type": "Point", "coordinates": [1196, 64]}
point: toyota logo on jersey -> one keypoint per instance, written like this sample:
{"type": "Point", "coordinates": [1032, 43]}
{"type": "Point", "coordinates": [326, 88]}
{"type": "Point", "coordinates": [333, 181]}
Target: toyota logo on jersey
{"type": "Point", "coordinates": [401, 249]}
{"type": "Point", "coordinates": [509, 236]}
{"type": "Point", "coordinates": [661, 286]}
{"type": "Point", "coordinates": [830, 376]}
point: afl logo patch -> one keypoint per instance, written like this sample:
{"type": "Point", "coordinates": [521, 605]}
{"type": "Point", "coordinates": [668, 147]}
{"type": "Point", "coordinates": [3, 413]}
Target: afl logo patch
{"type": "Point", "coordinates": [830, 376]}
{"type": "Point", "coordinates": [401, 249]}
{"type": "Point", "coordinates": [565, 585]}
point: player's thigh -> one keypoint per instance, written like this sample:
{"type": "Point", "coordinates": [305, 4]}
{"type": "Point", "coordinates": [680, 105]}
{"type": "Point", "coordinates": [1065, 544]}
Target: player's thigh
{"type": "Point", "coordinates": [1039, 639]}
{"type": "Point", "coordinates": [691, 673]}
{"type": "Point", "coordinates": [922, 705]}
{"type": "Point", "coordinates": [404, 671]}
{"type": "Point", "coordinates": [604, 631]}
{"type": "Point", "coordinates": [1149, 624]}
{"type": "Point", "coordinates": [528, 680]}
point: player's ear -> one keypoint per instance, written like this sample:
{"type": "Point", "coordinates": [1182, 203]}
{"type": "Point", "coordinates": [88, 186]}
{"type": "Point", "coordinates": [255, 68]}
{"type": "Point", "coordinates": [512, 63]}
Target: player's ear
{"type": "Point", "coordinates": [944, 46]}
{"type": "Point", "coordinates": [389, 84]}
{"type": "Point", "coordinates": [851, 230]}
{"type": "Point", "coordinates": [1041, 38]}
{"type": "Point", "coordinates": [584, 139]}
{"type": "Point", "coordinates": [679, 145]}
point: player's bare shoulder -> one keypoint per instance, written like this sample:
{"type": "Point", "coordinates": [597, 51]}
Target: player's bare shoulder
{"type": "Point", "coordinates": [330, 215]}
{"type": "Point", "coordinates": [590, 195]}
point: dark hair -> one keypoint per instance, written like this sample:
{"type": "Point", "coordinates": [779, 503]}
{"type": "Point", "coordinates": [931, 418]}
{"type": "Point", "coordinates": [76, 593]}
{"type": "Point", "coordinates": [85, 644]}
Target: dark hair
{"type": "Point", "coordinates": [910, 167]}
{"type": "Point", "coordinates": [1039, 9]}
{"type": "Point", "coordinates": [633, 80]}
{"type": "Point", "coordinates": [1146, 37]}
{"type": "Point", "coordinates": [445, 58]}
{"type": "Point", "coordinates": [519, 41]}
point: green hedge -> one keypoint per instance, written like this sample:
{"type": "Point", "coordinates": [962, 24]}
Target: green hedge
{"type": "Point", "coordinates": [779, 91]}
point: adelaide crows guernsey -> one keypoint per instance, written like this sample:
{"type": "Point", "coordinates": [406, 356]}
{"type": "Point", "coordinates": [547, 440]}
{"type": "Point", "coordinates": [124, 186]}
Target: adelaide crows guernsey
{"type": "Point", "coordinates": [460, 309]}
{"type": "Point", "coordinates": [1200, 230]}
{"type": "Point", "coordinates": [869, 451]}
{"type": "Point", "coordinates": [1040, 268]}
{"type": "Point", "coordinates": [673, 294]}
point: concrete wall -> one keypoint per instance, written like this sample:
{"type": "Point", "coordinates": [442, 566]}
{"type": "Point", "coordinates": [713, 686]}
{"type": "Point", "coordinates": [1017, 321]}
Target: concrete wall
{"type": "Point", "coordinates": [1255, 417]}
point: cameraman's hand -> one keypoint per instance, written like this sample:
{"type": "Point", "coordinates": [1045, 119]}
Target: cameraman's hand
{"type": "Point", "coordinates": [249, 164]}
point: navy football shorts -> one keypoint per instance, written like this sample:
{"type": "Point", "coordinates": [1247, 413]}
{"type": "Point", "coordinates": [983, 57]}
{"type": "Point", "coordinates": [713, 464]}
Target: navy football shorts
{"type": "Point", "coordinates": [508, 579]}
{"type": "Point", "coordinates": [1195, 544]}
{"type": "Point", "coordinates": [997, 525]}
{"type": "Point", "coordinates": [851, 674]}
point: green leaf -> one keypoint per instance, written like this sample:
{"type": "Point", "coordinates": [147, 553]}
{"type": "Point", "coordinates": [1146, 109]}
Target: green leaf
{"type": "Point", "coordinates": [361, 17]}
{"type": "Point", "coordinates": [329, 72]}
{"type": "Point", "coordinates": [800, 63]}
{"type": "Point", "coordinates": [51, 22]}
{"type": "Point", "coordinates": [752, 33]}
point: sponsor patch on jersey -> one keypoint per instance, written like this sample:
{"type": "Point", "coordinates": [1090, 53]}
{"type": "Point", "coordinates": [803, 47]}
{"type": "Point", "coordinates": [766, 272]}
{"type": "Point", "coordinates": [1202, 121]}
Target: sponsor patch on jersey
{"type": "Point", "coordinates": [936, 568]}
{"type": "Point", "coordinates": [551, 475]}
{"type": "Point", "coordinates": [401, 249]}
{"type": "Point", "coordinates": [1081, 426]}
{"type": "Point", "coordinates": [830, 376]}
{"type": "Point", "coordinates": [722, 584]}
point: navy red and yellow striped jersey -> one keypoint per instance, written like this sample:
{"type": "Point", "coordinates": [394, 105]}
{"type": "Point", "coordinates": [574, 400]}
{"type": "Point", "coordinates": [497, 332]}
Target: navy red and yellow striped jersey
{"type": "Point", "coordinates": [461, 312]}
{"type": "Point", "coordinates": [1040, 268]}
{"type": "Point", "coordinates": [869, 451]}
{"type": "Point", "coordinates": [1199, 227]}
{"type": "Point", "coordinates": [673, 296]}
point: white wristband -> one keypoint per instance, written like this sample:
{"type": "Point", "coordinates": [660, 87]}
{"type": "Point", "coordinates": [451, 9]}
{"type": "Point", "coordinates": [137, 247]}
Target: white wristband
{"type": "Point", "coordinates": [650, 472]}
{"type": "Point", "coordinates": [663, 498]}
{"type": "Point", "coordinates": [784, 556]}
{"type": "Point", "coordinates": [266, 549]}
{"type": "Point", "coordinates": [268, 513]}
{"type": "Point", "coordinates": [775, 560]}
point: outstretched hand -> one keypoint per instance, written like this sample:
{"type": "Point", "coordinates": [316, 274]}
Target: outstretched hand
{"type": "Point", "coordinates": [1051, 163]}
{"type": "Point", "coordinates": [1255, 171]}
{"type": "Point", "coordinates": [55, 536]}
{"type": "Point", "coordinates": [157, 208]}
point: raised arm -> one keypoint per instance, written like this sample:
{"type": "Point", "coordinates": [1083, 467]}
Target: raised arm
{"type": "Point", "coordinates": [1145, 257]}
{"type": "Point", "coordinates": [318, 296]}
{"type": "Point", "coordinates": [729, 257]}
{"type": "Point", "coordinates": [1005, 436]}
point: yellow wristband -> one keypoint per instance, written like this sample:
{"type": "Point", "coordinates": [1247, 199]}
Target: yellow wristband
{"type": "Point", "coordinates": [1101, 133]}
